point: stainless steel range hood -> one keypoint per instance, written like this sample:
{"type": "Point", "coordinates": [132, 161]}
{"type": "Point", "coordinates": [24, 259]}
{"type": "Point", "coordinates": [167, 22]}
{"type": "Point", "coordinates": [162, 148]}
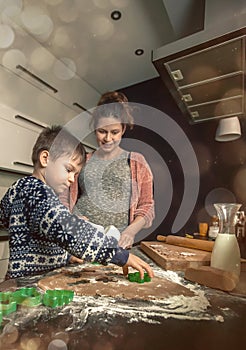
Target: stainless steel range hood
{"type": "Point", "coordinates": [205, 72]}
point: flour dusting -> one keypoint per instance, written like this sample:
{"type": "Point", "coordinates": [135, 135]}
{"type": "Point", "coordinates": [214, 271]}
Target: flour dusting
{"type": "Point", "coordinates": [181, 307]}
{"type": "Point", "coordinates": [88, 309]}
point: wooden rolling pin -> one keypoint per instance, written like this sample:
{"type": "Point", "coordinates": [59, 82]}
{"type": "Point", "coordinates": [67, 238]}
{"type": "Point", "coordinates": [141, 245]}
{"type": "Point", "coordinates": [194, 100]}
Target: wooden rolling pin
{"type": "Point", "coordinates": [187, 242]}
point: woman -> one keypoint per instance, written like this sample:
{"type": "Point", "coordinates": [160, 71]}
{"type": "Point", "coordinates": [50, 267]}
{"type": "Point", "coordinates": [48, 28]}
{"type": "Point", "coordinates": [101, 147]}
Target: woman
{"type": "Point", "coordinates": [116, 186]}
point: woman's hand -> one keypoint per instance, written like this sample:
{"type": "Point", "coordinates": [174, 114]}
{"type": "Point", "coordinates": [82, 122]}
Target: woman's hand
{"type": "Point", "coordinates": [128, 235]}
{"type": "Point", "coordinates": [84, 218]}
{"type": "Point", "coordinates": [126, 240]}
{"type": "Point", "coordinates": [138, 264]}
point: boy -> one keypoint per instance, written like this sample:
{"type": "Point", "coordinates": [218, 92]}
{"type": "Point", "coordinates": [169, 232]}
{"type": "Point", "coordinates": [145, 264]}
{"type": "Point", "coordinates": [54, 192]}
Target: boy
{"type": "Point", "coordinates": [43, 234]}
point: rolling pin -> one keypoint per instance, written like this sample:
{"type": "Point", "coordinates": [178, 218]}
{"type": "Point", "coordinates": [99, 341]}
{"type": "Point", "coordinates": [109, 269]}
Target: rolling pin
{"type": "Point", "coordinates": [187, 242]}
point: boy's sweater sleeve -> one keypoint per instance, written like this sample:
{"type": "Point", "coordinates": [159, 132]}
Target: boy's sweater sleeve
{"type": "Point", "coordinates": [54, 222]}
{"type": "Point", "coordinates": [121, 256]}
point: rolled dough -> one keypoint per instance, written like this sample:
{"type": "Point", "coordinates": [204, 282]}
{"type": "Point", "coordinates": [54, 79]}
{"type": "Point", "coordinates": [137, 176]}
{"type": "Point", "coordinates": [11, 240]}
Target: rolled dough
{"type": "Point", "coordinates": [109, 281]}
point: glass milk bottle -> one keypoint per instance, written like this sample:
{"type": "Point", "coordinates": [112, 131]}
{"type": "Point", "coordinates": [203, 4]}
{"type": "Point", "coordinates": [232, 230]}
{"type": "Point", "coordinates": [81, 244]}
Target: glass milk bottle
{"type": "Point", "coordinates": [226, 253]}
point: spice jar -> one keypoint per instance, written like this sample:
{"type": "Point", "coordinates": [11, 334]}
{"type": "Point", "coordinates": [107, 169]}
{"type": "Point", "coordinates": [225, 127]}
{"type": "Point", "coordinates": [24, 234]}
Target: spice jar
{"type": "Point", "coordinates": [213, 227]}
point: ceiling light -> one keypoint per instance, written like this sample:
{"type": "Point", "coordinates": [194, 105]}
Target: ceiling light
{"type": "Point", "coordinates": [116, 15]}
{"type": "Point", "coordinates": [139, 52]}
{"type": "Point", "coordinates": [229, 129]}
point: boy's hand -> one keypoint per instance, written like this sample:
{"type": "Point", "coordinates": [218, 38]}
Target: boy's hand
{"type": "Point", "coordinates": [138, 264]}
{"type": "Point", "coordinates": [75, 260]}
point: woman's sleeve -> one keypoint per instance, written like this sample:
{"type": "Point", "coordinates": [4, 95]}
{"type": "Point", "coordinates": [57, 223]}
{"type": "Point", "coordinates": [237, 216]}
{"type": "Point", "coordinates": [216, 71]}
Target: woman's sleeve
{"type": "Point", "coordinates": [142, 187]}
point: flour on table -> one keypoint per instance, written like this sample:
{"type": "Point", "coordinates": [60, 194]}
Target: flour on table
{"type": "Point", "coordinates": [86, 309]}
{"type": "Point", "coordinates": [181, 307]}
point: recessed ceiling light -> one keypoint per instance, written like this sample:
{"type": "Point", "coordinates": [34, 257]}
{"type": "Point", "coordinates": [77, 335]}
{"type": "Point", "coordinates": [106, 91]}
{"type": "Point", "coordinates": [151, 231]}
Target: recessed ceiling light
{"type": "Point", "coordinates": [115, 15]}
{"type": "Point", "coordinates": [139, 52]}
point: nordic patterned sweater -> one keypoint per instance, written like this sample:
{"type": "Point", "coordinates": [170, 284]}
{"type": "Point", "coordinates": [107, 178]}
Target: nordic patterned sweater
{"type": "Point", "coordinates": [43, 232]}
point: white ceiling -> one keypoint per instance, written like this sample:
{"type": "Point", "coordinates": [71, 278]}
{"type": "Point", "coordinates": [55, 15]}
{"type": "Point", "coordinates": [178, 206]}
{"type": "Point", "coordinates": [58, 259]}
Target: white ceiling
{"type": "Point", "coordinates": [100, 50]}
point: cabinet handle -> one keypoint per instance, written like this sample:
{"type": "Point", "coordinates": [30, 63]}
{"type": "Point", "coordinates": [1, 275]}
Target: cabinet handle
{"type": "Point", "coordinates": [23, 164]}
{"type": "Point", "coordinates": [81, 107]}
{"type": "Point", "coordinates": [23, 69]}
{"type": "Point", "coordinates": [18, 116]}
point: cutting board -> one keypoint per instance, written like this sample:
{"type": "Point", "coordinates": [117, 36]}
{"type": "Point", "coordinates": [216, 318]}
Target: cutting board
{"type": "Point", "coordinates": [240, 289]}
{"type": "Point", "coordinates": [171, 257]}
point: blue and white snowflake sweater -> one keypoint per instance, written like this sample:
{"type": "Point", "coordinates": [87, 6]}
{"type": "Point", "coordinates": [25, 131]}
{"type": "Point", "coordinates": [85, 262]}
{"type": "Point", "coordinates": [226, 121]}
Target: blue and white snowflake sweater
{"type": "Point", "coordinates": [43, 232]}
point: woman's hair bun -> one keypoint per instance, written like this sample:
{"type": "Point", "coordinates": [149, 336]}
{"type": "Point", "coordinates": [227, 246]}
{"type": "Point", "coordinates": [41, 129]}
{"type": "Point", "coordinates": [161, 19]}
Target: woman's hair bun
{"type": "Point", "coordinates": [111, 97]}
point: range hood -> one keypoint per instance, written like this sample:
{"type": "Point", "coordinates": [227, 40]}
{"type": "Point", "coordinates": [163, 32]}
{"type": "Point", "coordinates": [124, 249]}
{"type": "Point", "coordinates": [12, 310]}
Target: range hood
{"type": "Point", "coordinates": [205, 72]}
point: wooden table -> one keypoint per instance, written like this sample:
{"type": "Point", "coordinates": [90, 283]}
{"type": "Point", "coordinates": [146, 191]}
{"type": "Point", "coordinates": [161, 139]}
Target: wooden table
{"type": "Point", "coordinates": [109, 331]}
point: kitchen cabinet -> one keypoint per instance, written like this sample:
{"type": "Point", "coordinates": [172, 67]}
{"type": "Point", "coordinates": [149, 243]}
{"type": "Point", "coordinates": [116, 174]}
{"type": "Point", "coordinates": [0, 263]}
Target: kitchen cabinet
{"type": "Point", "coordinates": [18, 94]}
{"type": "Point", "coordinates": [39, 90]}
{"type": "Point", "coordinates": [18, 133]}
{"type": "Point", "coordinates": [203, 83]}
{"type": "Point", "coordinates": [31, 61]}
{"type": "Point", "coordinates": [16, 143]}
{"type": "Point", "coordinates": [4, 256]}
{"type": "Point", "coordinates": [19, 97]}
{"type": "Point", "coordinates": [24, 111]}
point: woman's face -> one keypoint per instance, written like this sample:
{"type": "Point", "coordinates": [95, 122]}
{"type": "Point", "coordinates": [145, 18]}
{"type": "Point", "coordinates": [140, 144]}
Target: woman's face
{"type": "Point", "coordinates": [109, 133]}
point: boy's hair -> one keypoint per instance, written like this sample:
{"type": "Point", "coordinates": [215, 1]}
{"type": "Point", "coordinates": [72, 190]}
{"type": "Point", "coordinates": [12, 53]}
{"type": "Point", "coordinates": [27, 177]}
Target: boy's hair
{"type": "Point", "coordinates": [58, 141]}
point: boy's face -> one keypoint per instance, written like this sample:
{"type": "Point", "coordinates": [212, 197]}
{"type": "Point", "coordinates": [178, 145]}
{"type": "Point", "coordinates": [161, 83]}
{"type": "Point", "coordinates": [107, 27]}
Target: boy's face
{"type": "Point", "coordinates": [60, 173]}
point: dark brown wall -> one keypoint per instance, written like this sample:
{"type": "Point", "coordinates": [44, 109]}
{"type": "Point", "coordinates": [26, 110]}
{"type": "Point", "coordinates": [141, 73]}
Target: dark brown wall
{"type": "Point", "coordinates": [222, 165]}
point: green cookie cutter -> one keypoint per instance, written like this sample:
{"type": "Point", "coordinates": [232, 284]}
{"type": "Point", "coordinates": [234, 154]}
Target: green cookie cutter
{"type": "Point", "coordinates": [135, 277]}
{"type": "Point", "coordinates": [27, 296]}
{"type": "Point", "coordinates": [7, 303]}
{"type": "Point", "coordinates": [57, 297]}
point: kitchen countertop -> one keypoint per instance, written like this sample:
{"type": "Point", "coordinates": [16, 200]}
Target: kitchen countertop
{"type": "Point", "coordinates": [108, 324]}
